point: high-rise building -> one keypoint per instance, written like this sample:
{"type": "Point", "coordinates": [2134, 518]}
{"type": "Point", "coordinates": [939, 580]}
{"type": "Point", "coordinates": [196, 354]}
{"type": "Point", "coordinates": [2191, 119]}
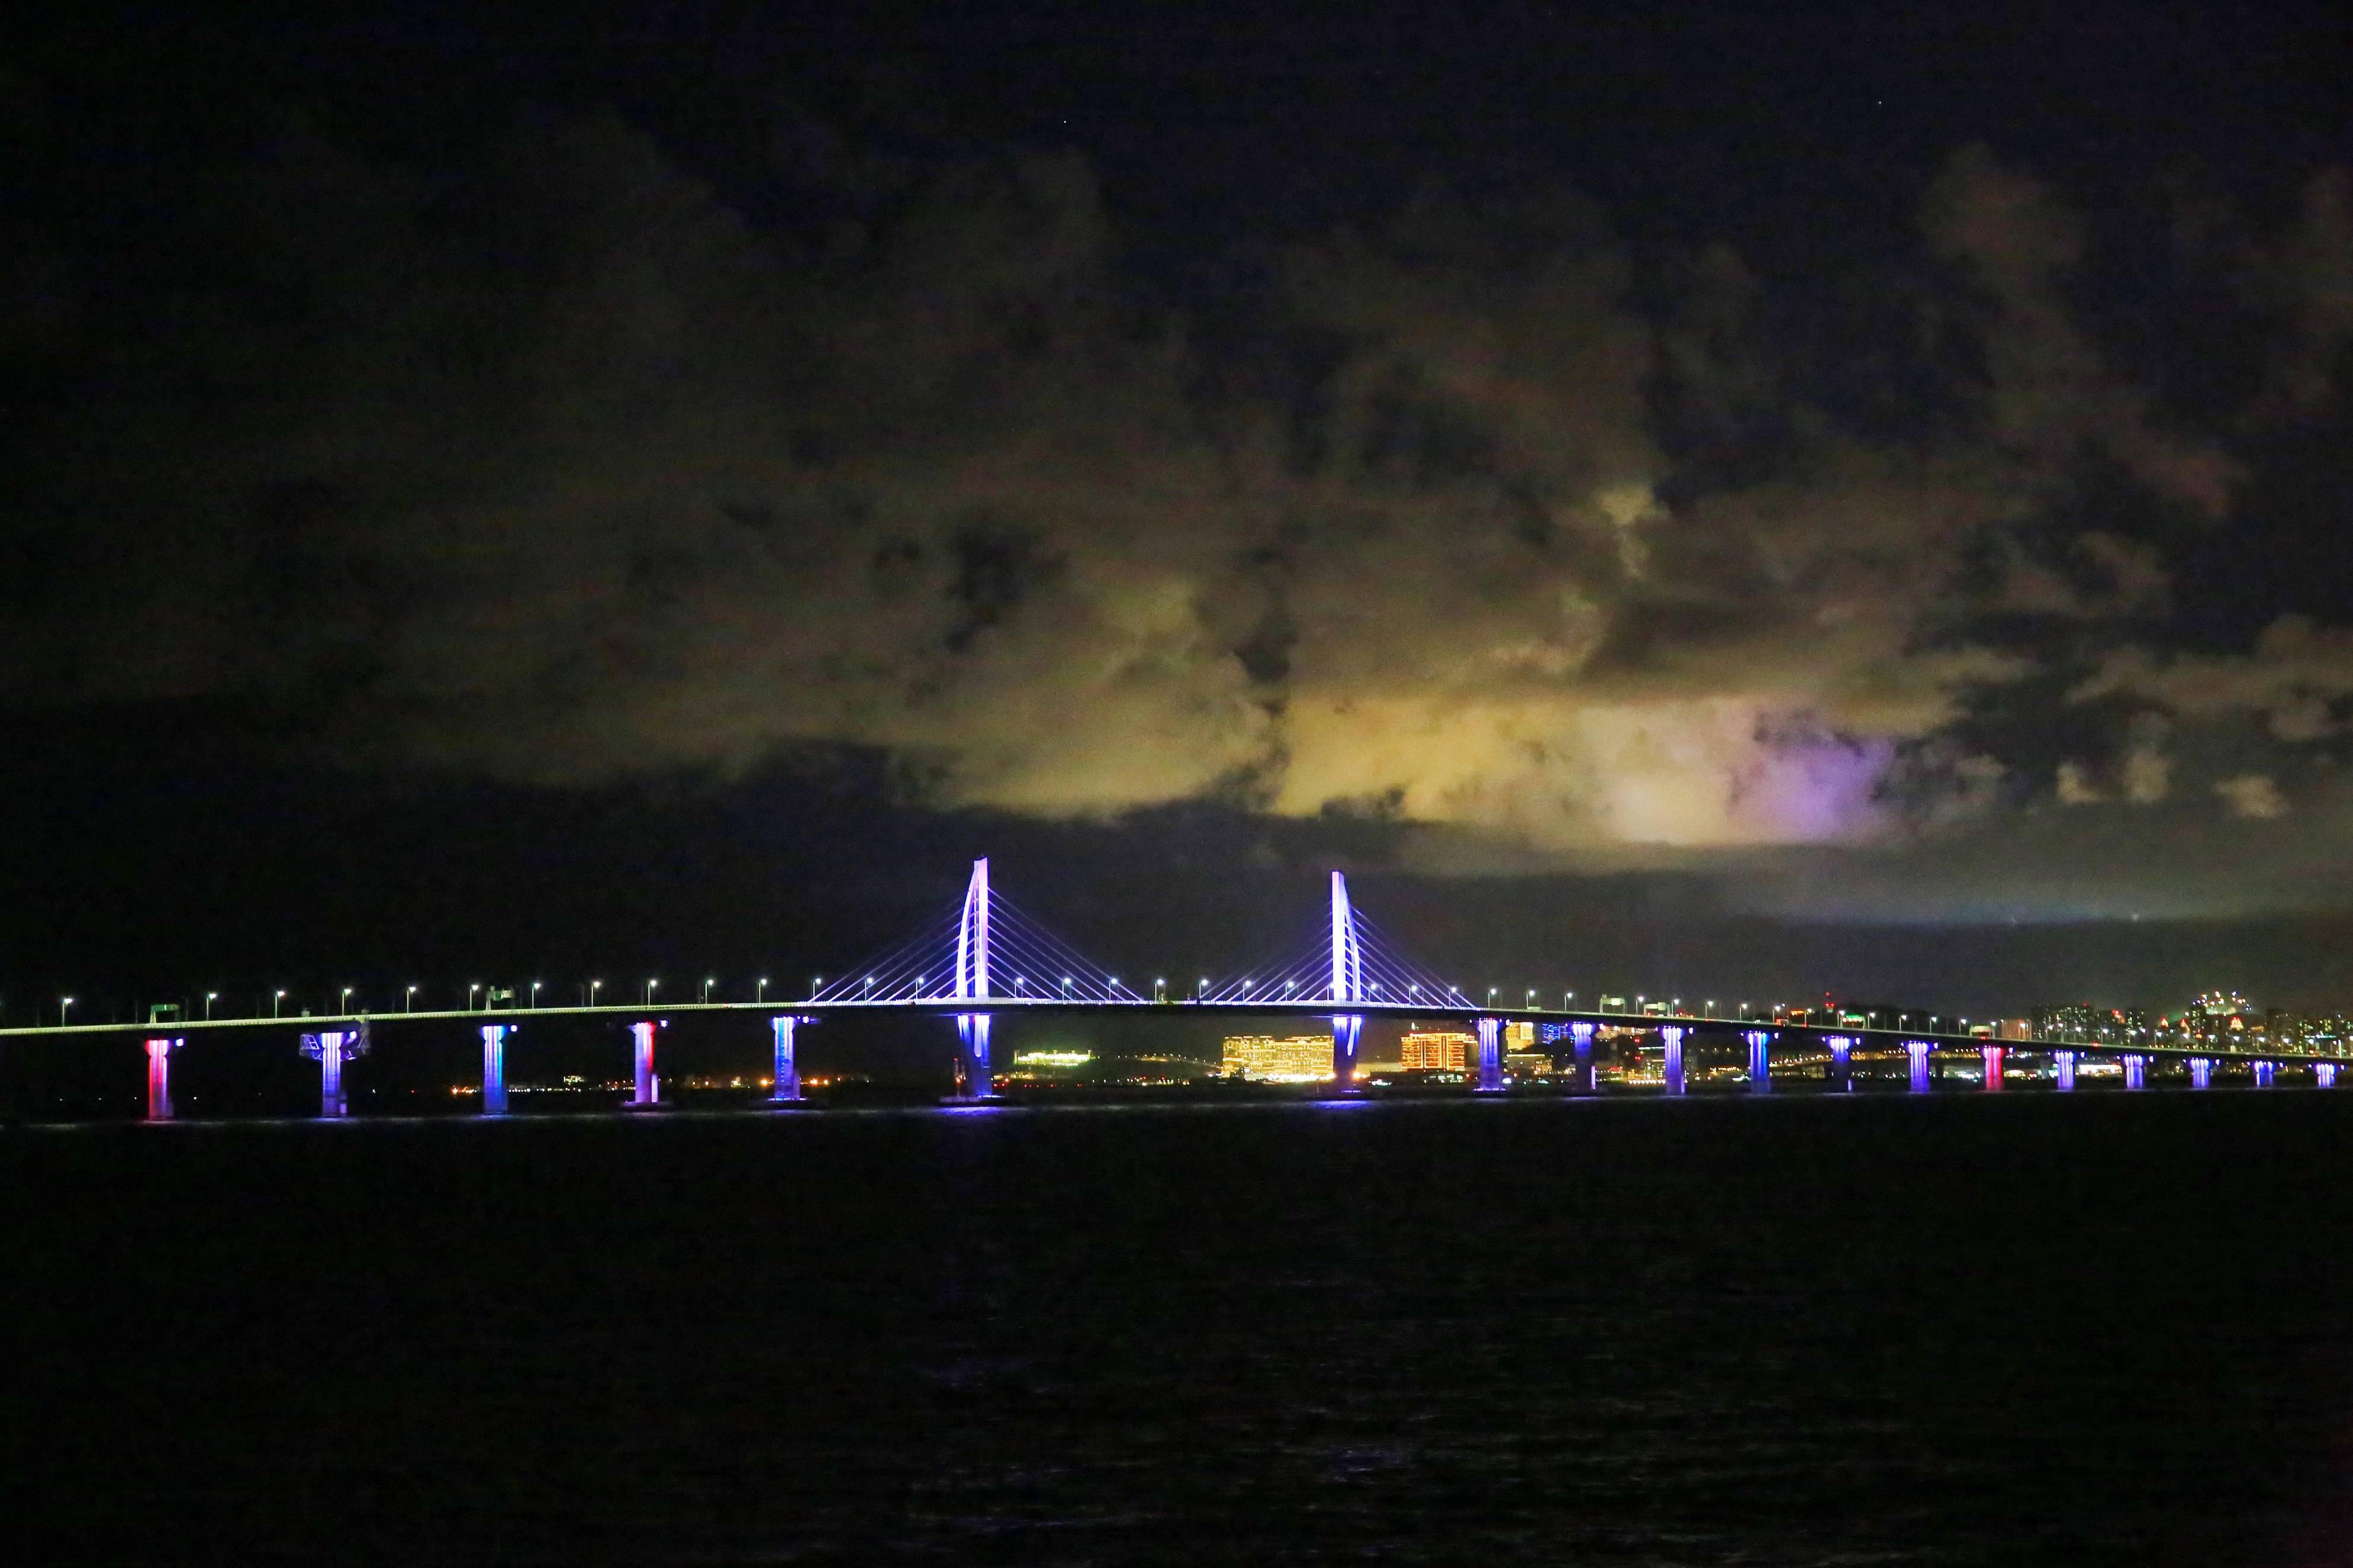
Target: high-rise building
{"type": "Point", "coordinates": [1268, 1059]}
{"type": "Point", "coordinates": [1435, 1050]}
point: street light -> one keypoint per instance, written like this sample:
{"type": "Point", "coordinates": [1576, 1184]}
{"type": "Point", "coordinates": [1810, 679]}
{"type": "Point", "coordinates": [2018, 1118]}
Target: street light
{"type": "Point", "coordinates": [210, 997]}
{"type": "Point", "coordinates": [1160, 989]}
{"type": "Point", "coordinates": [409, 1001]}
{"type": "Point", "coordinates": [1066, 987]}
{"type": "Point", "coordinates": [1565, 997]}
{"type": "Point", "coordinates": [343, 1003]}
{"type": "Point", "coordinates": [470, 995]}
{"type": "Point", "coordinates": [593, 986]}
{"type": "Point", "coordinates": [65, 1005]}
{"type": "Point", "coordinates": [707, 983]}
{"type": "Point", "coordinates": [650, 984]}
{"type": "Point", "coordinates": [535, 994]}
{"type": "Point", "coordinates": [277, 1002]}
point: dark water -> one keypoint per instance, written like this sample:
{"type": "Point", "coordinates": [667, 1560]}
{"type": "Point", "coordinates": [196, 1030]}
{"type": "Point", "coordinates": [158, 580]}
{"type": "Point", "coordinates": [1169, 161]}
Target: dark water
{"type": "Point", "coordinates": [1880, 1330]}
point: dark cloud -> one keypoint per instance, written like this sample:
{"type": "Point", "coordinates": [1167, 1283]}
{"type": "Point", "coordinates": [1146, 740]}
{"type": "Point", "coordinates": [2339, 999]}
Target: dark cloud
{"type": "Point", "coordinates": [561, 461]}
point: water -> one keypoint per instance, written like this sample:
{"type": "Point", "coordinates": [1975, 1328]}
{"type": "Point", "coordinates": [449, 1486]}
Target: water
{"type": "Point", "coordinates": [1802, 1330]}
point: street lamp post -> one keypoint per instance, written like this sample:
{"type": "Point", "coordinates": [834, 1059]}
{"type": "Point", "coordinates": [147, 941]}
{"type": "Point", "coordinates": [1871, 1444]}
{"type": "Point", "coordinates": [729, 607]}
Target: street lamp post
{"type": "Point", "coordinates": [470, 995]}
{"type": "Point", "coordinates": [277, 1002]}
{"type": "Point", "coordinates": [65, 1006]}
{"type": "Point", "coordinates": [761, 995]}
{"type": "Point", "coordinates": [210, 997]}
{"type": "Point", "coordinates": [409, 1000]}
{"type": "Point", "coordinates": [593, 986]}
{"type": "Point", "coordinates": [1567, 998]}
{"type": "Point", "coordinates": [535, 994]}
{"type": "Point", "coordinates": [650, 984]}
{"type": "Point", "coordinates": [708, 982]}
{"type": "Point", "coordinates": [343, 1003]}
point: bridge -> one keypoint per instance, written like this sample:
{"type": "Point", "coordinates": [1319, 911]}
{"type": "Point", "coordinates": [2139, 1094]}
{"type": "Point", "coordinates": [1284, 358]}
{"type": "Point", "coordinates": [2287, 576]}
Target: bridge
{"type": "Point", "coordinates": [990, 960]}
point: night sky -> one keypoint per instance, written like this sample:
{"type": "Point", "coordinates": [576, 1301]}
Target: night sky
{"type": "Point", "coordinates": [1771, 501]}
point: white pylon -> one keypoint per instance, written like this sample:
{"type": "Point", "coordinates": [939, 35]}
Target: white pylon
{"type": "Point", "coordinates": [1348, 959]}
{"type": "Point", "coordinates": [972, 936]}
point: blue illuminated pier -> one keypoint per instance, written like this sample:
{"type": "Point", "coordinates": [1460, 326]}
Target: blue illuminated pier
{"type": "Point", "coordinates": [990, 961]}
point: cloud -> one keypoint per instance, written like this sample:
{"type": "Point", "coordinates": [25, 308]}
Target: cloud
{"type": "Point", "coordinates": [563, 469]}
{"type": "Point", "coordinates": [2296, 677]}
{"type": "Point", "coordinates": [2252, 795]}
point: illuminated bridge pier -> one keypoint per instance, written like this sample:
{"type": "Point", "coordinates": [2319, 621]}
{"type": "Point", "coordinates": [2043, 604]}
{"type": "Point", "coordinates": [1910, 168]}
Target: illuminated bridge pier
{"type": "Point", "coordinates": [1490, 1056]}
{"type": "Point", "coordinates": [159, 1079]}
{"type": "Point", "coordinates": [1842, 1073]}
{"type": "Point", "coordinates": [2201, 1072]}
{"type": "Point", "coordinates": [2062, 1072]}
{"type": "Point", "coordinates": [1992, 1058]}
{"type": "Point", "coordinates": [1917, 1051]}
{"type": "Point", "coordinates": [785, 1082]}
{"type": "Point", "coordinates": [645, 1086]}
{"type": "Point", "coordinates": [1760, 1060]}
{"type": "Point", "coordinates": [1581, 1075]}
{"type": "Point", "coordinates": [331, 1049]}
{"type": "Point", "coordinates": [1670, 1060]}
{"type": "Point", "coordinates": [495, 1069]}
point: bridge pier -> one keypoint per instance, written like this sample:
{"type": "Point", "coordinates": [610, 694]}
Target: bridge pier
{"type": "Point", "coordinates": [1581, 1081]}
{"type": "Point", "coordinates": [787, 1079]}
{"type": "Point", "coordinates": [2136, 1071]}
{"type": "Point", "coordinates": [1760, 1060]}
{"type": "Point", "coordinates": [1670, 1042]}
{"type": "Point", "coordinates": [332, 1049]}
{"type": "Point", "coordinates": [1993, 1054]}
{"type": "Point", "coordinates": [2062, 1067]}
{"type": "Point", "coordinates": [159, 1079]}
{"type": "Point", "coordinates": [645, 1091]}
{"type": "Point", "coordinates": [2201, 1072]}
{"type": "Point", "coordinates": [495, 1069]}
{"type": "Point", "coordinates": [2264, 1073]}
{"type": "Point", "coordinates": [1841, 1063]}
{"type": "Point", "coordinates": [1490, 1056]}
{"type": "Point", "coordinates": [1918, 1051]}
{"type": "Point", "coordinates": [2323, 1073]}
{"type": "Point", "coordinates": [976, 1078]}
{"type": "Point", "coordinates": [1348, 1033]}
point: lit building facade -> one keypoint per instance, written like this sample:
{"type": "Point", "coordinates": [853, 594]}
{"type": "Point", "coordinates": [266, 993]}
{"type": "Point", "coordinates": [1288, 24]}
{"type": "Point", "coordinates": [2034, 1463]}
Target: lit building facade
{"type": "Point", "coordinates": [1435, 1050]}
{"type": "Point", "coordinates": [1270, 1058]}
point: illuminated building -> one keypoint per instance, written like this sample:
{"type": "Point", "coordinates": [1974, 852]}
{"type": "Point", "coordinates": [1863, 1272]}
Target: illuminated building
{"type": "Point", "coordinates": [1435, 1050]}
{"type": "Point", "coordinates": [1292, 1058]}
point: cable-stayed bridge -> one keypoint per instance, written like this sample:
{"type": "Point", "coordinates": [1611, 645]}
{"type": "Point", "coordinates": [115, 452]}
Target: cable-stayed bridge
{"type": "Point", "coordinates": [988, 959]}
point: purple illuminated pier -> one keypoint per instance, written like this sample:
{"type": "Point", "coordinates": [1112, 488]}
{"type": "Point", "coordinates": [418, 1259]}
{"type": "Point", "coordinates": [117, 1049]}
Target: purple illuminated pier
{"type": "Point", "coordinates": [495, 1069]}
{"type": "Point", "coordinates": [1760, 1060]}
{"type": "Point", "coordinates": [1581, 1034]}
{"type": "Point", "coordinates": [785, 1083]}
{"type": "Point", "coordinates": [2063, 1069]}
{"type": "Point", "coordinates": [2201, 1072]}
{"type": "Point", "coordinates": [1841, 1063]}
{"type": "Point", "coordinates": [159, 1079]}
{"type": "Point", "coordinates": [1918, 1051]}
{"type": "Point", "coordinates": [1491, 1056]}
{"type": "Point", "coordinates": [2136, 1071]}
{"type": "Point", "coordinates": [1670, 1068]}
{"type": "Point", "coordinates": [645, 1090]}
